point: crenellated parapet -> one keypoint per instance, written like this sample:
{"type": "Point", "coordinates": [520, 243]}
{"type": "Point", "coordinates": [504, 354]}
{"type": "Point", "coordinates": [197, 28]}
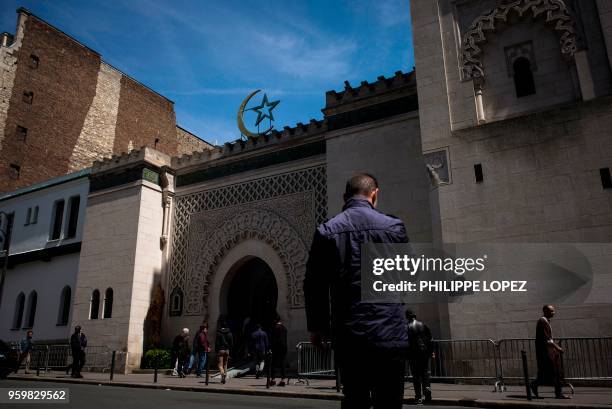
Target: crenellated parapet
{"type": "Point", "coordinates": [371, 101]}
{"type": "Point", "coordinates": [367, 90]}
{"type": "Point", "coordinates": [240, 146]}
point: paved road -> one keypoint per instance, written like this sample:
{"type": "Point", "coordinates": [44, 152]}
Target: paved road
{"type": "Point", "coordinates": [97, 397]}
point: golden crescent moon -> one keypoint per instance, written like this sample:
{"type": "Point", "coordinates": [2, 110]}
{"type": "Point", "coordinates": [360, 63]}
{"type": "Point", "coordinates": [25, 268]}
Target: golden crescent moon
{"type": "Point", "coordinates": [240, 120]}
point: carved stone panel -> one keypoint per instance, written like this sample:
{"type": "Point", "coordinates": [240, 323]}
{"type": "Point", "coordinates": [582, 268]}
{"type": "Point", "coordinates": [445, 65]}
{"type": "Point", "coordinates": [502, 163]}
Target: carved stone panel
{"type": "Point", "coordinates": [281, 210]}
{"type": "Point", "coordinates": [438, 167]}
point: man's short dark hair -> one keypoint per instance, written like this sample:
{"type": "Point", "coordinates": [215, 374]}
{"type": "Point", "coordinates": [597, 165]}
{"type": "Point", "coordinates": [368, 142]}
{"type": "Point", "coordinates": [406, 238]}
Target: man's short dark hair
{"type": "Point", "coordinates": [547, 307]}
{"type": "Point", "coordinates": [362, 184]}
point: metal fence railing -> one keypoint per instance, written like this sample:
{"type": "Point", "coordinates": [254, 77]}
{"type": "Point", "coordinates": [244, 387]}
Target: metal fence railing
{"type": "Point", "coordinates": [315, 362]}
{"type": "Point", "coordinates": [583, 359]}
{"type": "Point", "coordinates": [47, 357]}
{"type": "Point", "coordinates": [587, 360]}
{"type": "Point", "coordinates": [467, 359]}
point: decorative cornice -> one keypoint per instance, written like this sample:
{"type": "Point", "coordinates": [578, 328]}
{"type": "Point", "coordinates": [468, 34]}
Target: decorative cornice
{"type": "Point", "coordinates": [250, 163]}
{"type": "Point", "coordinates": [144, 154]}
{"type": "Point", "coordinates": [556, 13]}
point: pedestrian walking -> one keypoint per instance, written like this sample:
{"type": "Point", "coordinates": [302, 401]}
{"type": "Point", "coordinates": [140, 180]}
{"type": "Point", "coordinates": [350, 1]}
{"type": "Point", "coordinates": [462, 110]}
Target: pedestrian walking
{"type": "Point", "coordinates": [25, 351]}
{"type": "Point", "coordinates": [201, 347]}
{"type": "Point", "coordinates": [548, 356]}
{"type": "Point", "coordinates": [78, 343]}
{"type": "Point", "coordinates": [223, 345]}
{"type": "Point", "coordinates": [279, 351]}
{"type": "Point", "coordinates": [181, 350]}
{"type": "Point", "coordinates": [259, 348]}
{"type": "Point", "coordinates": [420, 351]}
{"type": "Point", "coordinates": [370, 340]}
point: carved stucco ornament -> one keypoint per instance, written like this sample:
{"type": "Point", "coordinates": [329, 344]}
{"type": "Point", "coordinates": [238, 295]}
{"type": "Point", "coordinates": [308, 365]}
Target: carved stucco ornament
{"type": "Point", "coordinates": [557, 15]}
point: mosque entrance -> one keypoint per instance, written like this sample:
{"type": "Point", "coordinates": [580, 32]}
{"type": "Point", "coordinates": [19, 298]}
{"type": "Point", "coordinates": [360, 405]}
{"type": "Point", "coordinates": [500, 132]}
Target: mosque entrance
{"type": "Point", "coordinates": [251, 299]}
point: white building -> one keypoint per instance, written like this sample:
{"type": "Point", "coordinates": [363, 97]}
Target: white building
{"type": "Point", "coordinates": [46, 223]}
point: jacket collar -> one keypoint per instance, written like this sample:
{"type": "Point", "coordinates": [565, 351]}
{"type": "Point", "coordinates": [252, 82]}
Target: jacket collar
{"type": "Point", "coordinates": [357, 201]}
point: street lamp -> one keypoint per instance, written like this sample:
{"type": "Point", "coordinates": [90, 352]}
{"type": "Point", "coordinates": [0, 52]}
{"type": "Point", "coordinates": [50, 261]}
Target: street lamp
{"type": "Point", "coordinates": [5, 236]}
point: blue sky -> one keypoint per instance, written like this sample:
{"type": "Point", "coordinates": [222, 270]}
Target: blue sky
{"type": "Point", "coordinates": [207, 56]}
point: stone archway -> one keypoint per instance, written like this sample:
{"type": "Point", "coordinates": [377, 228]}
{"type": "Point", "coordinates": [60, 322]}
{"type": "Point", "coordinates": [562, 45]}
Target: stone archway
{"type": "Point", "coordinates": [230, 265]}
{"type": "Point", "coordinates": [281, 224]}
{"type": "Point", "coordinates": [557, 15]}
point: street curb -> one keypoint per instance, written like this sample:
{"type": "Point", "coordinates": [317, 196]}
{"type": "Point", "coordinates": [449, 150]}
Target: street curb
{"type": "Point", "coordinates": [211, 389]}
{"type": "Point", "coordinates": [471, 403]}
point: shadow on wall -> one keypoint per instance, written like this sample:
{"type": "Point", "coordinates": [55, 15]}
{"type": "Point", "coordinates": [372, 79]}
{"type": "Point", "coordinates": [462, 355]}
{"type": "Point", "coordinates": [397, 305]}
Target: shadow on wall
{"type": "Point", "coordinates": [153, 319]}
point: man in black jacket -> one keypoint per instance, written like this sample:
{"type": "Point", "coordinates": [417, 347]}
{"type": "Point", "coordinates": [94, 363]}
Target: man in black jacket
{"type": "Point", "coordinates": [369, 339]}
{"type": "Point", "coordinates": [223, 345]}
{"type": "Point", "coordinates": [78, 343]}
{"type": "Point", "coordinates": [419, 353]}
{"type": "Point", "coordinates": [181, 350]}
{"type": "Point", "coordinates": [279, 350]}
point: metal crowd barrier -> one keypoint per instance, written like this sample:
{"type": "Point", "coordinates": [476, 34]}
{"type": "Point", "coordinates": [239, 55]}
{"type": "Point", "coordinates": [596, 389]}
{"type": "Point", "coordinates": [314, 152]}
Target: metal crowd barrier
{"type": "Point", "coordinates": [313, 362]}
{"type": "Point", "coordinates": [511, 365]}
{"type": "Point", "coordinates": [586, 360]}
{"type": "Point", "coordinates": [59, 357]}
{"type": "Point", "coordinates": [467, 359]}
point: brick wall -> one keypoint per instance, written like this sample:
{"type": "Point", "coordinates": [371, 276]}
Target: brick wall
{"type": "Point", "coordinates": [82, 109]}
{"type": "Point", "coordinates": [188, 142]}
{"type": "Point", "coordinates": [143, 117]}
{"type": "Point", "coordinates": [63, 86]}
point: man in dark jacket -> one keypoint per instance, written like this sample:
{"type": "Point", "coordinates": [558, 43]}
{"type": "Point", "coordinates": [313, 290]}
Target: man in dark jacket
{"type": "Point", "coordinates": [369, 339]}
{"type": "Point", "coordinates": [279, 350]}
{"type": "Point", "coordinates": [419, 353]}
{"type": "Point", "coordinates": [259, 348]}
{"type": "Point", "coordinates": [78, 343]}
{"type": "Point", "coordinates": [223, 345]}
{"type": "Point", "coordinates": [548, 356]}
{"type": "Point", "coordinates": [181, 350]}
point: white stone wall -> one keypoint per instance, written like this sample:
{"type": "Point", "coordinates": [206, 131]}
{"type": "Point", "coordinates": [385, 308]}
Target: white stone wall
{"type": "Point", "coordinates": [541, 175]}
{"type": "Point", "coordinates": [35, 236]}
{"type": "Point", "coordinates": [121, 249]}
{"type": "Point", "coordinates": [98, 131]}
{"type": "Point", "coordinates": [107, 260]}
{"type": "Point", "coordinates": [552, 76]}
{"type": "Point", "coordinates": [47, 278]}
{"type": "Point", "coordinates": [391, 150]}
{"type": "Point", "coordinates": [147, 267]}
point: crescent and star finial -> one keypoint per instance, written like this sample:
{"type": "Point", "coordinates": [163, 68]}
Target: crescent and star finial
{"type": "Point", "coordinates": [264, 110]}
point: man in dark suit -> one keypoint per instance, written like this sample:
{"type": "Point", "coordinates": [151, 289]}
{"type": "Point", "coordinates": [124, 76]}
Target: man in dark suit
{"type": "Point", "coordinates": [548, 355]}
{"type": "Point", "coordinates": [419, 354]}
{"type": "Point", "coordinates": [78, 343]}
{"type": "Point", "coordinates": [369, 339]}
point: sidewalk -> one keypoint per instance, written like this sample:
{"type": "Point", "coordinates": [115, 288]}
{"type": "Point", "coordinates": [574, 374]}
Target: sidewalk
{"type": "Point", "coordinates": [444, 394]}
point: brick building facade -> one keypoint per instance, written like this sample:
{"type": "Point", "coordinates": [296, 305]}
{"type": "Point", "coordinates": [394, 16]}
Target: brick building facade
{"type": "Point", "coordinates": [62, 107]}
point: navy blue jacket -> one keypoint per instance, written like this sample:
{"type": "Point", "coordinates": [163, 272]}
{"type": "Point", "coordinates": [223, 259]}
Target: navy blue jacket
{"type": "Point", "coordinates": [259, 341]}
{"type": "Point", "coordinates": [333, 271]}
